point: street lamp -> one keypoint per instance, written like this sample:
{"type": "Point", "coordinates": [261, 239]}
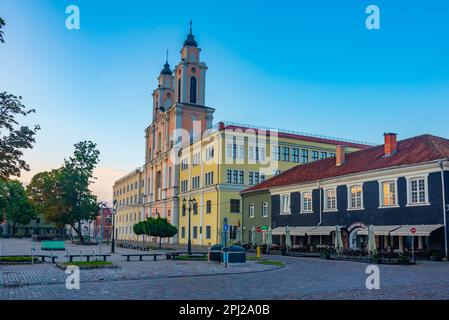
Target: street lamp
{"type": "Point", "coordinates": [192, 202]}
{"type": "Point", "coordinates": [114, 211]}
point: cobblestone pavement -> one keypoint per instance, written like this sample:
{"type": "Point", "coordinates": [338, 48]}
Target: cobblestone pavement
{"type": "Point", "coordinates": [302, 278]}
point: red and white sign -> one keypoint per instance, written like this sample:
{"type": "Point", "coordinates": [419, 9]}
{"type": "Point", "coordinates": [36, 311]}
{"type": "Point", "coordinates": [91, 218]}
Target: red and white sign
{"type": "Point", "coordinates": [258, 229]}
{"type": "Point", "coordinates": [413, 230]}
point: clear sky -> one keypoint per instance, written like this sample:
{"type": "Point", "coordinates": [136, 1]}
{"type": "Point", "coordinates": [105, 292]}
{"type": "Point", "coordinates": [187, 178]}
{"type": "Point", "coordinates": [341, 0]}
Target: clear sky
{"type": "Point", "coordinates": [310, 66]}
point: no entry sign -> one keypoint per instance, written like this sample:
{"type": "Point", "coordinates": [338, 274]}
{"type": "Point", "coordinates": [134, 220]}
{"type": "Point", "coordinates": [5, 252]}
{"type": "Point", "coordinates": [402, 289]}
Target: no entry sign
{"type": "Point", "coordinates": [258, 229]}
{"type": "Point", "coordinates": [413, 230]}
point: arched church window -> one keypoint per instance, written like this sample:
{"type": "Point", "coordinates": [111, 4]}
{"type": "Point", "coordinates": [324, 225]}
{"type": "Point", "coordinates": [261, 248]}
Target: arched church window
{"type": "Point", "coordinates": [192, 90]}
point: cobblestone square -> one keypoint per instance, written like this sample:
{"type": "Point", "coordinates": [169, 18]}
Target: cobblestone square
{"type": "Point", "coordinates": [301, 278]}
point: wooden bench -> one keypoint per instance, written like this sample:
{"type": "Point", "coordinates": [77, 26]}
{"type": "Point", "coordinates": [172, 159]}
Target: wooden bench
{"type": "Point", "coordinates": [43, 256]}
{"type": "Point", "coordinates": [141, 255]}
{"type": "Point", "coordinates": [173, 255]}
{"type": "Point", "coordinates": [71, 256]}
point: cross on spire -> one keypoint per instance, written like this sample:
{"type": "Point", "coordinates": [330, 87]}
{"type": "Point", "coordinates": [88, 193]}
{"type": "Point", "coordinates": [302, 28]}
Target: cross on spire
{"type": "Point", "coordinates": [191, 22]}
{"type": "Point", "coordinates": [166, 57]}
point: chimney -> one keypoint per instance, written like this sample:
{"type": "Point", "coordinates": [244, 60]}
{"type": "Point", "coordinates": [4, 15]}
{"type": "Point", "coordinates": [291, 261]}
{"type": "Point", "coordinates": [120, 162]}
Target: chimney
{"type": "Point", "coordinates": [391, 144]}
{"type": "Point", "coordinates": [340, 154]}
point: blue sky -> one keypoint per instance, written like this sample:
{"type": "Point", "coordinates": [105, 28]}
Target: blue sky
{"type": "Point", "coordinates": [310, 66]}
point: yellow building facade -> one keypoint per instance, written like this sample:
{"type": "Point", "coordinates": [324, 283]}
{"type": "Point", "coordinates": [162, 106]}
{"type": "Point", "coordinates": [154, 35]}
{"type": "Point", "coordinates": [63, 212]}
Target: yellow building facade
{"type": "Point", "coordinates": [128, 192]}
{"type": "Point", "coordinates": [229, 158]}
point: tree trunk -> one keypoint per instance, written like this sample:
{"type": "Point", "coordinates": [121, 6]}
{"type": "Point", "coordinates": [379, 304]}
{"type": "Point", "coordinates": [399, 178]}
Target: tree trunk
{"type": "Point", "coordinates": [13, 229]}
{"type": "Point", "coordinates": [78, 231]}
{"type": "Point", "coordinates": [160, 242]}
{"type": "Point", "coordinates": [143, 240]}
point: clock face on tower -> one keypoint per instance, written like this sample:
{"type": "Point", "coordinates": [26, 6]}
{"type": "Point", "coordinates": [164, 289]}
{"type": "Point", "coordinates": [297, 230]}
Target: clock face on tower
{"type": "Point", "coordinates": [193, 70]}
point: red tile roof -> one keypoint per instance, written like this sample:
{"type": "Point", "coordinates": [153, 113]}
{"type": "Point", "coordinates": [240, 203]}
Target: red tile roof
{"type": "Point", "coordinates": [414, 150]}
{"type": "Point", "coordinates": [304, 137]}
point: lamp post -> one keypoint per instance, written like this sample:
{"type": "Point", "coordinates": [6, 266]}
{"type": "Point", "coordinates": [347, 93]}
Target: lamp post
{"type": "Point", "coordinates": [189, 241]}
{"type": "Point", "coordinates": [114, 211]}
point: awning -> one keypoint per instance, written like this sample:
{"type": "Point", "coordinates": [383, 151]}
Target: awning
{"type": "Point", "coordinates": [421, 230]}
{"type": "Point", "coordinates": [379, 230]}
{"type": "Point", "coordinates": [300, 231]}
{"type": "Point", "coordinates": [321, 231]}
{"type": "Point", "coordinates": [279, 231]}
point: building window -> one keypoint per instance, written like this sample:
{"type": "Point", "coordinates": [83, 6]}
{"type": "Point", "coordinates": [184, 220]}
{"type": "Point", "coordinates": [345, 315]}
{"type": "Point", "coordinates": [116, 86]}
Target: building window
{"type": "Point", "coordinates": [184, 185]}
{"type": "Point", "coordinates": [209, 178]}
{"type": "Point", "coordinates": [332, 155]}
{"type": "Point", "coordinates": [285, 204]}
{"type": "Point", "coordinates": [241, 151]}
{"type": "Point", "coordinates": [276, 153]}
{"type": "Point", "coordinates": [207, 232]}
{"type": "Point", "coordinates": [184, 164]}
{"type": "Point", "coordinates": [192, 90]}
{"type": "Point", "coordinates": [183, 232]}
{"type": "Point", "coordinates": [323, 155]}
{"type": "Point", "coordinates": [251, 210]}
{"type": "Point", "coordinates": [209, 153]}
{"type": "Point", "coordinates": [285, 154]}
{"type": "Point", "coordinates": [195, 182]}
{"type": "Point", "coordinates": [304, 156]}
{"type": "Point", "coordinates": [229, 176]}
{"type": "Point", "coordinates": [235, 205]}
{"type": "Point", "coordinates": [235, 176]}
{"type": "Point", "coordinates": [355, 197]}
{"type": "Point", "coordinates": [315, 155]}
{"type": "Point", "coordinates": [306, 202]}
{"type": "Point", "coordinates": [208, 206]}
{"type": "Point", "coordinates": [388, 194]}
{"type": "Point", "coordinates": [331, 199]}
{"type": "Point", "coordinates": [195, 232]}
{"type": "Point", "coordinates": [262, 177]}
{"type": "Point", "coordinates": [196, 159]}
{"type": "Point", "coordinates": [250, 153]}
{"type": "Point", "coordinates": [241, 177]}
{"type": "Point", "coordinates": [295, 155]}
{"type": "Point", "coordinates": [417, 191]}
{"type": "Point", "coordinates": [179, 90]}
{"type": "Point", "coordinates": [195, 208]}
{"type": "Point", "coordinates": [265, 209]}
{"type": "Point", "coordinates": [251, 178]}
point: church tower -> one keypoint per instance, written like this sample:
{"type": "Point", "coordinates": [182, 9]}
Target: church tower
{"type": "Point", "coordinates": [190, 74]}
{"type": "Point", "coordinates": [164, 93]}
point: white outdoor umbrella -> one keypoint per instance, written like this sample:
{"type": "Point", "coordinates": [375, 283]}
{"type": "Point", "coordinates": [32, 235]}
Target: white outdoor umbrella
{"type": "Point", "coordinates": [288, 239]}
{"type": "Point", "coordinates": [269, 237]}
{"type": "Point", "coordinates": [371, 240]}
{"type": "Point", "coordinates": [253, 235]}
{"type": "Point", "coordinates": [338, 239]}
{"type": "Point", "coordinates": [239, 235]}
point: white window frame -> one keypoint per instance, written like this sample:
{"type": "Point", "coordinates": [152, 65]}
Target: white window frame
{"type": "Point", "coordinates": [350, 207]}
{"type": "Point", "coordinates": [326, 208]}
{"type": "Point", "coordinates": [381, 193]}
{"type": "Point", "coordinates": [283, 209]}
{"type": "Point", "coordinates": [251, 210]}
{"type": "Point", "coordinates": [265, 209]}
{"type": "Point", "coordinates": [409, 190]}
{"type": "Point", "coordinates": [302, 202]}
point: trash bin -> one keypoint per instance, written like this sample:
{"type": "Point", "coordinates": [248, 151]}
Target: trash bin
{"type": "Point", "coordinates": [236, 254]}
{"type": "Point", "coordinates": [215, 252]}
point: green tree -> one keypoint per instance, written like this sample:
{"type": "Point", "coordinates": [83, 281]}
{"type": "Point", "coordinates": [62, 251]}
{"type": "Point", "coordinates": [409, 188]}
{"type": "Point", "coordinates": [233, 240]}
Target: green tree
{"type": "Point", "coordinates": [63, 195]}
{"type": "Point", "coordinates": [139, 230]}
{"type": "Point", "coordinates": [160, 228]}
{"type": "Point", "coordinates": [13, 139]}
{"type": "Point", "coordinates": [17, 207]}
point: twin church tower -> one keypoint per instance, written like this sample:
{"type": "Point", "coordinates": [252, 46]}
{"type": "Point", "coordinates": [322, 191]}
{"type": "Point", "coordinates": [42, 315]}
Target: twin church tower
{"type": "Point", "coordinates": [178, 103]}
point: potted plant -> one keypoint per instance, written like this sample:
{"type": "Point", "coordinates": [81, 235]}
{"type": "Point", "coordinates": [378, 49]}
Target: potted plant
{"type": "Point", "coordinates": [325, 254]}
{"type": "Point", "coordinates": [435, 257]}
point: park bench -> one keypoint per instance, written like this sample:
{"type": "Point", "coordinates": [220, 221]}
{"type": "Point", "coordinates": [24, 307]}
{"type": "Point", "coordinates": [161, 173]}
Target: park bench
{"type": "Point", "coordinates": [52, 245]}
{"type": "Point", "coordinates": [141, 255]}
{"type": "Point", "coordinates": [41, 256]}
{"type": "Point", "coordinates": [173, 255]}
{"type": "Point", "coordinates": [88, 256]}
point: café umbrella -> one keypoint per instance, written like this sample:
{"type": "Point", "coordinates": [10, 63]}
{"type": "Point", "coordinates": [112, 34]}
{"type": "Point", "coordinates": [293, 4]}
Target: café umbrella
{"type": "Point", "coordinates": [371, 240]}
{"type": "Point", "coordinates": [338, 239]}
{"type": "Point", "coordinates": [288, 240]}
{"type": "Point", "coordinates": [269, 237]}
{"type": "Point", "coordinates": [253, 235]}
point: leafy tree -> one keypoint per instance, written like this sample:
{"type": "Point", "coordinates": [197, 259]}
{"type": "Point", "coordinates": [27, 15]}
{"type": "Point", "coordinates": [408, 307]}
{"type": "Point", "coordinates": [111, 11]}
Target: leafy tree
{"type": "Point", "coordinates": [2, 24]}
{"type": "Point", "coordinates": [13, 139]}
{"type": "Point", "coordinates": [159, 227]}
{"type": "Point", "coordinates": [17, 207]}
{"type": "Point", "coordinates": [138, 229]}
{"type": "Point", "coordinates": [63, 195]}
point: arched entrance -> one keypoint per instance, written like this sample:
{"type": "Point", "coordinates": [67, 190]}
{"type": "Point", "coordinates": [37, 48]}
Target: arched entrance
{"type": "Point", "coordinates": [356, 241]}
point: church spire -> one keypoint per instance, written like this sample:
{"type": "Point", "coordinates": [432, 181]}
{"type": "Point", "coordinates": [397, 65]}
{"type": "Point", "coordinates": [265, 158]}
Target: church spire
{"type": "Point", "coordinates": [190, 41]}
{"type": "Point", "coordinates": [166, 69]}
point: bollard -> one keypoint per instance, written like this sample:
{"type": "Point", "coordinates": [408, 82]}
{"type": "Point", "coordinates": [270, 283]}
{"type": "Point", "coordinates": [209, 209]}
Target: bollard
{"type": "Point", "coordinates": [32, 255]}
{"type": "Point", "coordinates": [51, 256]}
{"type": "Point", "coordinates": [258, 252]}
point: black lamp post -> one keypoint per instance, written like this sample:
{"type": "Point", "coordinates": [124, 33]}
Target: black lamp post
{"type": "Point", "coordinates": [189, 241]}
{"type": "Point", "coordinates": [114, 211]}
